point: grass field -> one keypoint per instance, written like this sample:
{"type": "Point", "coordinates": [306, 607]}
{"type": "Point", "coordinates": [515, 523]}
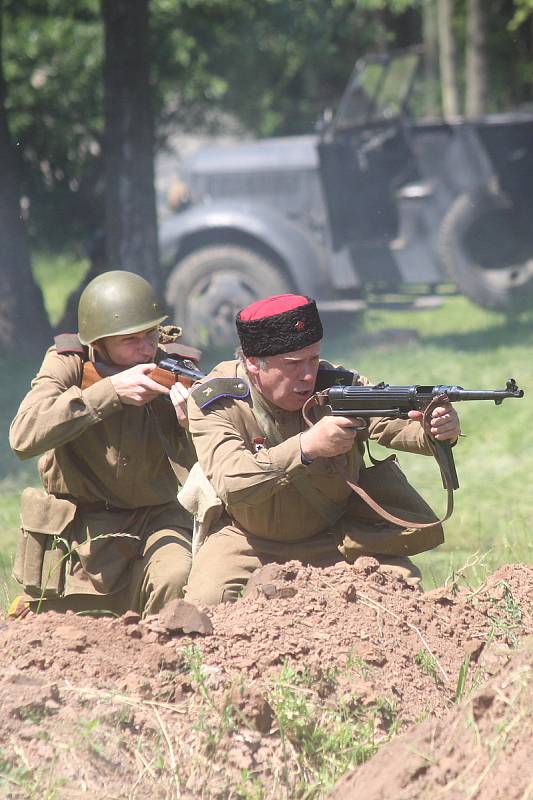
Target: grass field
{"type": "Point", "coordinates": [457, 343]}
{"type": "Point", "coordinates": [462, 344]}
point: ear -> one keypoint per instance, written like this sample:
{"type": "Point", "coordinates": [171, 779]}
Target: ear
{"type": "Point", "coordinates": [100, 349]}
{"type": "Point", "coordinates": [252, 365]}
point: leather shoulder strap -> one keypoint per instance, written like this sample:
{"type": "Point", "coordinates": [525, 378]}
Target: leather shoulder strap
{"type": "Point", "coordinates": [375, 506]}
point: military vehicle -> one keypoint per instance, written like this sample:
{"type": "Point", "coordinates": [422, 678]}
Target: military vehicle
{"type": "Point", "coordinates": [377, 201]}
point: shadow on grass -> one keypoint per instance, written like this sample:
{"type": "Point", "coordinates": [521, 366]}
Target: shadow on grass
{"type": "Point", "coordinates": [507, 334]}
{"type": "Point", "coordinates": [483, 339]}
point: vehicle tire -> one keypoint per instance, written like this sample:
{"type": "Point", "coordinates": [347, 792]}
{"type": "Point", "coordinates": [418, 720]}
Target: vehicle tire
{"type": "Point", "coordinates": [211, 284]}
{"type": "Point", "coordinates": [487, 250]}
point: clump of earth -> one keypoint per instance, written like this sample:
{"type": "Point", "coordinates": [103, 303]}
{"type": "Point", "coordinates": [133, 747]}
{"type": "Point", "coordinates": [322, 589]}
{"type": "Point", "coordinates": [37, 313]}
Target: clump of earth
{"type": "Point", "coordinates": [345, 682]}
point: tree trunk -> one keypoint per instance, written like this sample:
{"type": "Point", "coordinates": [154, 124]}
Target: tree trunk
{"type": "Point", "coordinates": [430, 34]}
{"type": "Point", "coordinates": [477, 79]}
{"type": "Point", "coordinates": [24, 323]}
{"type": "Point", "coordinates": [448, 60]}
{"type": "Point", "coordinates": [131, 223]}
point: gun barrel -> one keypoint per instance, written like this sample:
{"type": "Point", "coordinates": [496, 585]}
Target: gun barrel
{"type": "Point", "coordinates": [456, 393]}
{"type": "Point", "coordinates": [398, 400]}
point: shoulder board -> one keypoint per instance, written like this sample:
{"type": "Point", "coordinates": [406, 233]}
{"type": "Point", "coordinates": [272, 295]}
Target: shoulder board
{"type": "Point", "coordinates": [69, 343]}
{"type": "Point", "coordinates": [206, 393]}
{"type": "Point", "coordinates": [183, 350]}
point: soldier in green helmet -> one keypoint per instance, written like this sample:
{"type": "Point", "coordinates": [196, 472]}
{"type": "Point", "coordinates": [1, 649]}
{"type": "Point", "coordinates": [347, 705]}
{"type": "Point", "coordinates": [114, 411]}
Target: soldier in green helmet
{"type": "Point", "coordinates": [108, 532]}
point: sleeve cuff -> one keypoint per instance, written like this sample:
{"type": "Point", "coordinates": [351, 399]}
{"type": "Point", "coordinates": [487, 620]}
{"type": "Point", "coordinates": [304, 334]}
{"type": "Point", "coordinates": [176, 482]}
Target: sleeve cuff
{"type": "Point", "coordinates": [101, 399]}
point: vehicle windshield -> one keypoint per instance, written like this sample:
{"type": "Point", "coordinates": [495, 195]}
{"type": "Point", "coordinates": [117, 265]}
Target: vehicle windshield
{"type": "Point", "coordinates": [378, 89]}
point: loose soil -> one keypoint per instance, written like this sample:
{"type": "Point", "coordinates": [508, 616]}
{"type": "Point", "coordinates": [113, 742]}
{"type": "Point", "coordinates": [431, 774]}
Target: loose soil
{"type": "Point", "coordinates": [310, 674]}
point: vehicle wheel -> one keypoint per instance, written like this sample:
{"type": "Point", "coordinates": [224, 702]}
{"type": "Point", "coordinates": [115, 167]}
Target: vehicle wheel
{"type": "Point", "coordinates": [211, 284]}
{"type": "Point", "coordinates": [487, 250]}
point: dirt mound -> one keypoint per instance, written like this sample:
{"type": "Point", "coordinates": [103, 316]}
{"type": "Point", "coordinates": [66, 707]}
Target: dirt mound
{"type": "Point", "coordinates": [276, 696]}
{"type": "Point", "coordinates": [482, 751]}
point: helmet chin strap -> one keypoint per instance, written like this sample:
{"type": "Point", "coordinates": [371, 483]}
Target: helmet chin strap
{"type": "Point", "coordinates": [100, 352]}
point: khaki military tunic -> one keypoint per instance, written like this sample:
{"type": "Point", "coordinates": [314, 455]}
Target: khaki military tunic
{"type": "Point", "coordinates": [130, 537]}
{"type": "Point", "coordinates": [266, 489]}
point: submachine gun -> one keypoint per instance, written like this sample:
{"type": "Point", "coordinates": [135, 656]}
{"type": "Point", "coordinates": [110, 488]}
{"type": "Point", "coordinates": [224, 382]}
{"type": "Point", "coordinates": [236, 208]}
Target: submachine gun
{"type": "Point", "coordinates": [395, 402]}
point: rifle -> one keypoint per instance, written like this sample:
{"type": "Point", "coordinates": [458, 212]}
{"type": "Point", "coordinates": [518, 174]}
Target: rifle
{"type": "Point", "coordinates": [171, 369]}
{"type": "Point", "coordinates": [395, 402]}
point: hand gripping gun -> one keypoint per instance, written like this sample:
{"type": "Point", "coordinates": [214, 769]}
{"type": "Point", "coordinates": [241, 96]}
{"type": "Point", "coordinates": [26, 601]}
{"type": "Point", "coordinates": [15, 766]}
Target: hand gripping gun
{"type": "Point", "coordinates": [170, 370]}
{"type": "Point", "coordinates": [395, 402]}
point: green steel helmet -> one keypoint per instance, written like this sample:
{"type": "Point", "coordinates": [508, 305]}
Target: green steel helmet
{"type": "Point", "coordinates": [115, 303]}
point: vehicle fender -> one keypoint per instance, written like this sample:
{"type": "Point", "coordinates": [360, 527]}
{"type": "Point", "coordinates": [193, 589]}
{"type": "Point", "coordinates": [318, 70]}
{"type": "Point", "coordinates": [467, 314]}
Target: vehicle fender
{"type": "Point", "coordinates": [303, 256]}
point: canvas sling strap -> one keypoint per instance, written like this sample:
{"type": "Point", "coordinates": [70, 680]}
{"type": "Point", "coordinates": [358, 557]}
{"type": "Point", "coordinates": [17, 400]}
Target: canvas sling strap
{"type": "Point", "coordinates": [441, 454]}
{"type": "Point", "coordinates": [171, 453]}
{"type": "Point", "coordinates": [328, 510]}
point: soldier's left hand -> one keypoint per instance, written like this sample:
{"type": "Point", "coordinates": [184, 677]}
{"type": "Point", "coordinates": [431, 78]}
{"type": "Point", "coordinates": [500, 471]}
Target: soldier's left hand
{"type": "Point", "coordinates": [179, 394]}
{"type": "Point", "coordinates": [445, 425]}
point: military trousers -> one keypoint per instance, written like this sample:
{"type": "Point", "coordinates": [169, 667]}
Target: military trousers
{"type": "Point", "coordinates": [152, 576]}
{"type": "Point", "coordinates": [227, 558]}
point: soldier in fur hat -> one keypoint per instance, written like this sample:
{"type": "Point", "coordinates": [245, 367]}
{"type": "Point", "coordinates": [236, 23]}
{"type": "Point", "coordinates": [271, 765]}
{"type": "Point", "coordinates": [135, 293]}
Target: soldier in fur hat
{"type": "Point", "coordinates": [282, 484]}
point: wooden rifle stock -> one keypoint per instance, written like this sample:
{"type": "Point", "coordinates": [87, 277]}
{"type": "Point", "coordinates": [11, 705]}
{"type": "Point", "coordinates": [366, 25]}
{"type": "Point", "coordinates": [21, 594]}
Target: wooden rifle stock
{"type": "Point", "coordinates": [92, 373]}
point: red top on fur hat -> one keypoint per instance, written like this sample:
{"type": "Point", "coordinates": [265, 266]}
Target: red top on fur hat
{"type": "Point", "coordinates": [270, 306]}
{"type": "Point", "coordinates": [278, 324]}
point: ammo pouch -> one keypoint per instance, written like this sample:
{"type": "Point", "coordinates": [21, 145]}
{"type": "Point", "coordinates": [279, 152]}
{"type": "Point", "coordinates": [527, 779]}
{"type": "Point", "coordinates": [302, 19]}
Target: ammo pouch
{"type": "Point", "coordinates": [42, 548]}
{"type": "Point", "coordinates": [365, 532]}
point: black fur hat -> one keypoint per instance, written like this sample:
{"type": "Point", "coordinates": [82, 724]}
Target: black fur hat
{"type": "Point", "coordinates": [278, 324]}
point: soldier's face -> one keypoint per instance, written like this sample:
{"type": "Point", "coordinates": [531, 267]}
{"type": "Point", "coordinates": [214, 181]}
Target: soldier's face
{"type": "Point", "coordinates": [286, 380]}
{"type": "Point", "coordinates": [129, 349]}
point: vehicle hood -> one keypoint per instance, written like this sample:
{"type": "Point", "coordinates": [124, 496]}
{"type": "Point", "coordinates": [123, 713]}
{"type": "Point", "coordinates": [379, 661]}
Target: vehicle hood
{"type": "Point", "coordinates": [283, 153]}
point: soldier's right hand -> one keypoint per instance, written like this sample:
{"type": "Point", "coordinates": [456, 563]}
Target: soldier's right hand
{"type": "Point", "coordinates": [134, 387]}
{"type": "Point", "coordinates": [330, 436]}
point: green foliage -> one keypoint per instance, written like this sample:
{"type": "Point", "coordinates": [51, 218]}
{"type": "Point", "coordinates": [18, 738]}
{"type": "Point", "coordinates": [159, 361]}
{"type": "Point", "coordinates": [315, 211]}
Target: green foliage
{"type": "Point", "coordinates": [274, 66]}
{"type": "Point", "coordinates": [54, 105]}
{"type": "Point", "coordinates": [213, 722]}
{"type": "Point", "coordinates": [396, 6]}
{"type": "Point", "coordinates": [325, 739]}
{"type": "Point", "coordinates": [89, 733]}
{"type": "Point", "coordinates": [428, 664]}
{"type": "Point", "coordinates": [523, 11]}
{"type": "Point", "coordinates": [506, 616]}
{"type": "Point", "coordinates": [359, 665]}
{"type": "Point", "coordinates": [249, 787]}
{"type": "Point", "coordinates": [461, 679]}
{"type": "Point", "coordinates": [193, 662]}
{"type": "Point", "coordinates": [58, 276]}
{"type": "Point", "coordinates": [18, 779]}
{"type": "Point", "coordinates": [279, 63]}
